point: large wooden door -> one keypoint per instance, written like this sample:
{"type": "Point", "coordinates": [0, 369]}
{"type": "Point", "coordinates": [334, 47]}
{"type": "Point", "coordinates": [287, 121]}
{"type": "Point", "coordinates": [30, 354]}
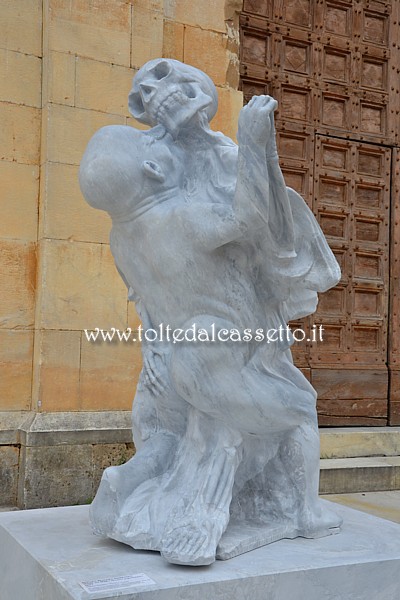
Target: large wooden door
{"type": "Point", "coordinates": [351, 200]}
{"type": "Point", "coordinates": [333, 65]}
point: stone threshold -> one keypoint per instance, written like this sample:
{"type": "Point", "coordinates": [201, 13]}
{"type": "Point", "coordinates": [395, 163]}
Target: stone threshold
{"type": "Point", "coordinates": [361, 474]}
{"type": "Point", "coordinates": [58, 428]}
{"type": "Point", "coordinates": [354, 442]}
{"type": "Point", "coordinates": [51, 429]}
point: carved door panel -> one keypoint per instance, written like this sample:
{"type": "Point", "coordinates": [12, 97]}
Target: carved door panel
{"type": "Point", "coordinates": [394, 319]}
{"type": "Point", "coordinates": [333, 66]}
{"type": "Point", "coordinates": [352, 202]}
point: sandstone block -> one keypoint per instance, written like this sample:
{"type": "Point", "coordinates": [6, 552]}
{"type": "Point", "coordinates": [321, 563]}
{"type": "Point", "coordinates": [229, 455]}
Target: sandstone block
{"type": "Point", "coordinates": [19, 133]}
{"type": "Point", "coordinates": [18, 277]}
{"type": "Point", "coordinates": [229, 104]}
{"type": "Point", "coordinates": [147, 35]}
{"type": "Point", "coordinates": [16, 350]}
{"type": "Point", "coordinates": [19, 190]}
{"type": "Point", "coordinates": [109, 372]}
{"type": "Point", "coordinates": [232, 8]}
{"type": "Point", "coordinates": [99, 29]}
{"type": "Point", "coordinates": [80, 287]}
{"type": "Point", "coordinates": [21, 26]}
{"type": "Point", "coordinates": [103, 87]}
{"type": "Point", "coordinates": [173, 40]}
{"type": "Point", "coordinates": [60, 73]}
{"type": "Point", "coordinates": [56, 370]}
{"type": "Point", "coordinates": [67, 131]}
{"type": "Point", "coordinates": [207, 51]}
{"type": "Point", "coordinates": [155, 5]}
{"type": "Point", "coordinates": [206, 15]}
{"type": "Point", "coordinates": [111, 15]}
{"type": "Point", "coordinates": [20, 78]}
{"type": "Point", "coordinates": [65, 215]}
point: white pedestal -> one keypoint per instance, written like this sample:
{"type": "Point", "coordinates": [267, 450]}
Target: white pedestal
{"type": "Point", "coordinates": [46, 555]}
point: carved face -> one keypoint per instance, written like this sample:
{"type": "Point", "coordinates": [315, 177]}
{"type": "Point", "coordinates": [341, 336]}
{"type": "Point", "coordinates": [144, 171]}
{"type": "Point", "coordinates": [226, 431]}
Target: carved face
{"type": "Point", "coordinates": [169, 93]}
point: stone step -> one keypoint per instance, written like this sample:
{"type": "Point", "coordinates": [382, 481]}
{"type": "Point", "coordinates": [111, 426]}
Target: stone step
{"type": "Point", "coordinates": [359, 459]}
{"type": "Point", "coordinates": [360, 474]}
{"type": "Point", "coordinates": [385, 505]}
{"type": "Point", "coordinates": [353, 442]}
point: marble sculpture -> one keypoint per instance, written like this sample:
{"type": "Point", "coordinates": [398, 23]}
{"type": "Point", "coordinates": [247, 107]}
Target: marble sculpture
{"type": "Point", "coordinates": [206, 235]}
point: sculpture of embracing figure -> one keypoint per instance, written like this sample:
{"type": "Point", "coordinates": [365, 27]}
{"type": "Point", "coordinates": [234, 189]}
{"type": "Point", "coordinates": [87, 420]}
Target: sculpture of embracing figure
{"type": "Point", "coordinates": [206, 235]}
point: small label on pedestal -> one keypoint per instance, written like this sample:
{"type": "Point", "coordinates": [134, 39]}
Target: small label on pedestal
{"type": "Point", "coordinates": [112, 584]}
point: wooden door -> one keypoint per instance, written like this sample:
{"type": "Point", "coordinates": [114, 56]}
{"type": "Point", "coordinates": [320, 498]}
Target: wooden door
{"type": "Point", "coordinates": [333, 66]}
{"type": "Point", "coordinates": [351, 201]}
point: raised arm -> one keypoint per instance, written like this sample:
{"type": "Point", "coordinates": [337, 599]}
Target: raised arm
{"type": "Point", "coordinates": [260, 189]}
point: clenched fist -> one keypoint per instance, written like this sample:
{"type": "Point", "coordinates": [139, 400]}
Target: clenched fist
{"type": "Point", "coordinates": [256, 123]}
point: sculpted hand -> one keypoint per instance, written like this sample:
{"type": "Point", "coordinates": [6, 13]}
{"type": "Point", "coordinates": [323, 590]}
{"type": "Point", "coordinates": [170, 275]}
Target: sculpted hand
{"type": "Point", "coordinates": [154, 372]}
{"type": "Point", "coordinates": [256, 123]}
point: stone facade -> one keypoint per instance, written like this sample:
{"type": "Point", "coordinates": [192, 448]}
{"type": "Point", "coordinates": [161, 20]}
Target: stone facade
{"type": "Point", "coordinates": [66, 69]}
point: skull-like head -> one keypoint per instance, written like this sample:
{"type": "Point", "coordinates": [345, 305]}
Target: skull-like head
{"type": "Point", "coordinates": [169, 93]}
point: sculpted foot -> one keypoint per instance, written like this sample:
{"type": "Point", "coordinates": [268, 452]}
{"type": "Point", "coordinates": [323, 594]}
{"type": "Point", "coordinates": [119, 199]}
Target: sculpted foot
{"type": "Point", "coordinates": [196, 525]}
{"type": "Point", "coordinates": [195, 541]}
{"type": "Point", "coordinates": [319, 522]}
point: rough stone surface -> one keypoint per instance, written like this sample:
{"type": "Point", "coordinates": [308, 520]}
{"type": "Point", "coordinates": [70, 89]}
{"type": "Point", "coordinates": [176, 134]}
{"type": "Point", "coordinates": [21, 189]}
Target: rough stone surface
{"type": "Point", "coordinates": [64, 475]}
{"type": "Point", "coordinates": [50, 447]}
{"type": "Point", "coordinates": [208, 239]}
{"type": "Point", "coordinates": [105, 455]}
{"type": "Point", "coordinates": [55, 475]}
{"type": "Point", "coordinates": [9, 458]}
{"type": "Point", "coordinates": [361, 563]}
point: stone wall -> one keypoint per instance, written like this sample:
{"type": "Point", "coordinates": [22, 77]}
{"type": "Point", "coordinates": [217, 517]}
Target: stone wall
{"type": "Point", "coordinates": [20, 116]}
{"type": "Point", "coordinates": [66, 69]}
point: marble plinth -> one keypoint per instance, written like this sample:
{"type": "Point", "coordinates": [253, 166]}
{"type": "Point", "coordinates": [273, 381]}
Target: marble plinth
{"type": "Point", "coordinates": [47, 554]}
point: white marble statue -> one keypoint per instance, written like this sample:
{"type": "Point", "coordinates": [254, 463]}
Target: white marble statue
{"type": "Point", "coordinates": [208, 239]}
